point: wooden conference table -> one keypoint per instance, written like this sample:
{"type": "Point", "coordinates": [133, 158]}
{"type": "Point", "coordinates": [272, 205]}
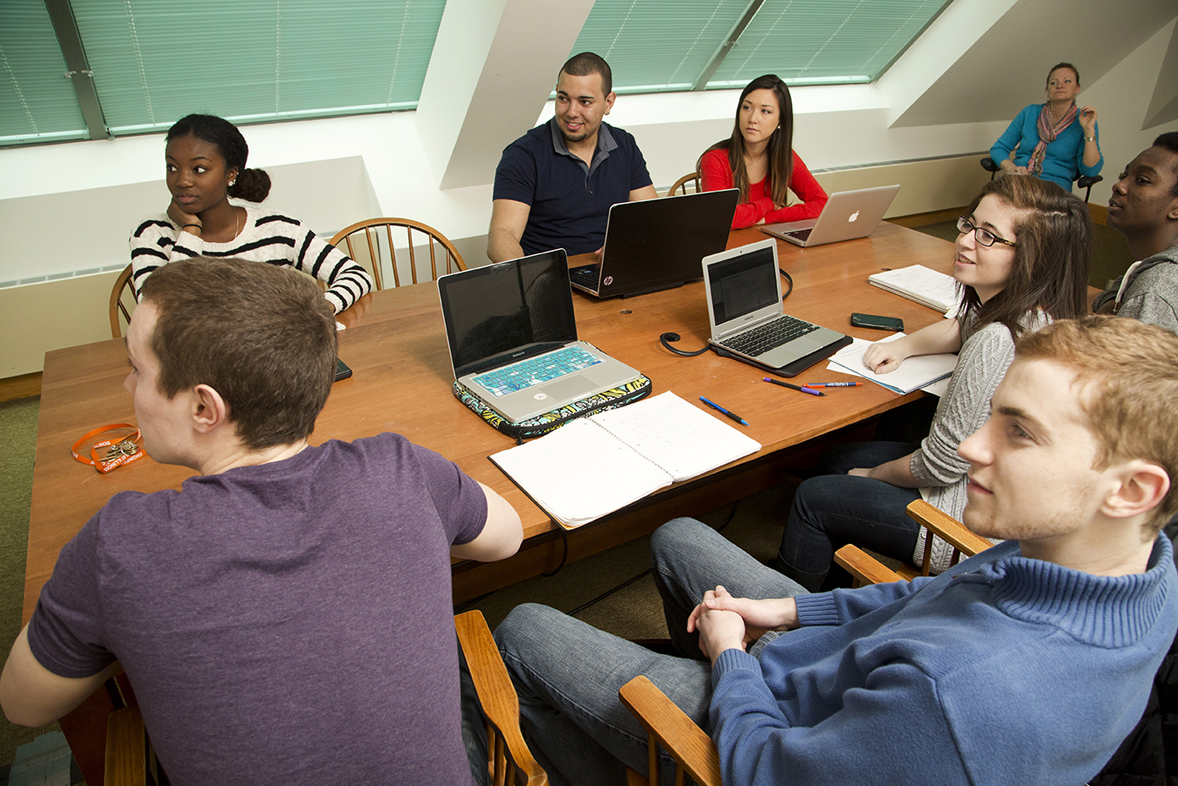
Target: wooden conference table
{"type": "Point", "coordinates": [396, 348]}
{"type": "Point", "coordinates": [395, 345]}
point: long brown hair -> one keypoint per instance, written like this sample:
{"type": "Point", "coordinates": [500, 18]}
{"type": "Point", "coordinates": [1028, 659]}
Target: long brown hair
{"type": "Point", "coordinates": [1053, 246]}
{"type": "Point", "coordinates": [781, 158]}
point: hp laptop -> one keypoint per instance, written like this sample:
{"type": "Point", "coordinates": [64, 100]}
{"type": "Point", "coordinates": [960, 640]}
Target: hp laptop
{"type": "Point", "coordinates": [744, 308]}
{"type": "Point", "coordinates": [848, 215]}
{"type": "Point", "coordinates": [513, 337]}
{"type": "Point", "coordinates": [658, 243]}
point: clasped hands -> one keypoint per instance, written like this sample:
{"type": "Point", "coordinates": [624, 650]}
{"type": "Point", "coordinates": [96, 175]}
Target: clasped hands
{"type": "Point", "coordinates": [725, 622]}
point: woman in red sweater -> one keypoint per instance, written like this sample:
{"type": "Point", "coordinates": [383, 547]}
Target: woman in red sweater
{"type": "Point", "coordinates": [759, 160]}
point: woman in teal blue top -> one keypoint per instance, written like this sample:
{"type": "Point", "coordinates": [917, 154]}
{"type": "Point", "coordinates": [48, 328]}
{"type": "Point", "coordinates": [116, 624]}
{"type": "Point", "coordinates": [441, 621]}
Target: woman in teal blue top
{"type": "Point", "coordinates": [1056, 140]}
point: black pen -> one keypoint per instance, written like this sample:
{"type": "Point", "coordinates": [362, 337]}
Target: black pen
{"type": "Point", "coordinates": [811, 391]}
{"type": "Point", "coordinates": [723, 411]}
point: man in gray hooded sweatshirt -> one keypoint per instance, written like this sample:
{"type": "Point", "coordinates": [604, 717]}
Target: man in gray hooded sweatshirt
{"type": "Point", "coordinates": [1144, 208]}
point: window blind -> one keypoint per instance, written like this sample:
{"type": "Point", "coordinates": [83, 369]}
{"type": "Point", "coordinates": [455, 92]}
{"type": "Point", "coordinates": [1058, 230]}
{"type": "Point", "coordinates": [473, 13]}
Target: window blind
{"type": "Point", "coordinates": [37, 100]}
{"type": "Point", "coordinates": [155, 61]}
{"type": "Point", "coordinates": [657, 45]}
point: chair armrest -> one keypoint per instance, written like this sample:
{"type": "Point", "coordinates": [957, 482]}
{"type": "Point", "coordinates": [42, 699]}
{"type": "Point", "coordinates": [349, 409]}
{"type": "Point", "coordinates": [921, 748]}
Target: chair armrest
{"type": "Point", "coordinates": [496, 693]}
{"type": "Point", "coordinates": [687, 743]}
{"type": "Point", "coordinates": [989, 165]}
{"type": "Point", "coordinates": [947, 528]}
{"type": "Point", "coordinates": [864, 568]}
{"type": "Point", "coordinates": [126, 748]}
{"type": "Point", "coordinates": [1086, 181]}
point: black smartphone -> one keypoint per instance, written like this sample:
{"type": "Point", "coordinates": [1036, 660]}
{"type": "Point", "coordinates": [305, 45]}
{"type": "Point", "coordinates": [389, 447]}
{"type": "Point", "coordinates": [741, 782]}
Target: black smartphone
{"type": "Point", "coordinates": [341, 370]}
{"type": "Point", "coordinates": [876, 322]}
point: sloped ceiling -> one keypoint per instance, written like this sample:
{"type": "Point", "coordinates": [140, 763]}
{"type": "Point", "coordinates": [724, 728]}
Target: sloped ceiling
{"type": "Point", "coordinates": [1163, 107]}
{"type": "Point", "coordinates": [1006, 68]}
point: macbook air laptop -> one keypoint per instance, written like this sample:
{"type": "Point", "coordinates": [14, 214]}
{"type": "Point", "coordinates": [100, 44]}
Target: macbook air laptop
{"type": "Point", "coordinates": [744, 307]}
{"type": "Point", "coordinates": [513, 337]}
{"type": "Point", "coordinates": [657, 244]}
{"type": "Point", "coordinates": [847, 215]}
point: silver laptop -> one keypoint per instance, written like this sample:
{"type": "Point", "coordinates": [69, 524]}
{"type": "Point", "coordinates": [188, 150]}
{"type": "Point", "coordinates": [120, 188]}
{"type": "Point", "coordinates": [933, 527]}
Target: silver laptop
{"type": "Point", "coordinates": [847, 215]}
{"type": "Point", "coordinates": [657, 244]}
{"type": "Point", "coordinates": [744, 308]}
{"type": "Point", "coordinates": [513, 337]}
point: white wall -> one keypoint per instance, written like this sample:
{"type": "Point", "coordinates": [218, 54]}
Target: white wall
{"type": "Point", "coordinates": [69, 207]}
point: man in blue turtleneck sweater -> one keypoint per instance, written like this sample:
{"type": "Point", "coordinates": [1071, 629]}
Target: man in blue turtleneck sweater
{"type": "Point", "coordinates": [1025, 664]}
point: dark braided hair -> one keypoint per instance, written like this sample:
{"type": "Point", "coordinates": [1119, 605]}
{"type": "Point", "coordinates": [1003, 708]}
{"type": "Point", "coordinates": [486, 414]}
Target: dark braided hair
{"type": "Point", "coordinates": [253, 185]}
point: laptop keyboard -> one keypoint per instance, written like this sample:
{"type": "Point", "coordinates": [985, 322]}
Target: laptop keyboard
{"type": "Point", "coordinates": [586, 276]}
{"type": "Point", "coordinates": [800, 234]}
{"type": "Point", "coordinates": [769, 336]}
{"type": "Point", "coordinates": [537, 370]}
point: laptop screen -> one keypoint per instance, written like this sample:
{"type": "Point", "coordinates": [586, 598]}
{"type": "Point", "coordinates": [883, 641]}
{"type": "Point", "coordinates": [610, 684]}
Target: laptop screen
{"type": "Point", "coordinates": [498, 314]}
{"type": "Point", "coordinates": [743, 284]}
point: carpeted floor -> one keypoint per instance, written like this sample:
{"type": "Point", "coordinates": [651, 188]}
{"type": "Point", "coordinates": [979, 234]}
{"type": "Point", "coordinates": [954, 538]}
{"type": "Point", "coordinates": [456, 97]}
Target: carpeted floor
{"type": "Point", "coordinates": [18, 424]}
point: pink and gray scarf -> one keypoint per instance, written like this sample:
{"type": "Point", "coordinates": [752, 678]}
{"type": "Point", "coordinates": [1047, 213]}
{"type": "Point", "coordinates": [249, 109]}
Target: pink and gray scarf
{"type": "Point", "coordinates": [1047, 134]}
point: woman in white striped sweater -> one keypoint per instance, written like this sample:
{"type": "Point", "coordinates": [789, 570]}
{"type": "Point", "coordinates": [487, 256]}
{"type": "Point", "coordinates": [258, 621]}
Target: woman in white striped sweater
{"type": "Point", "coordinates": [205, 158]}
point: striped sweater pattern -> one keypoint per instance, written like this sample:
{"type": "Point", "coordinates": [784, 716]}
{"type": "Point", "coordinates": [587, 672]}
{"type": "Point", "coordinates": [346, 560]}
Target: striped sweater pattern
{"type": "Point", "coordinates": [268, 236]}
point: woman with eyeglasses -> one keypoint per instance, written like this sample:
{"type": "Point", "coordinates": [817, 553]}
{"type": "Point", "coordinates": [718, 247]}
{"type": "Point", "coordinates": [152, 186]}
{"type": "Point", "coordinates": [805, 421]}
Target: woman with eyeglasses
{"type": "Point", "coordinates": [1055, 140]}
{"type": "Point", "coordinates": [759, 159]}
{"type": "Point", "coordinates": [1020, 262]}
{"type": "Point", "coordinates": [205, 165]}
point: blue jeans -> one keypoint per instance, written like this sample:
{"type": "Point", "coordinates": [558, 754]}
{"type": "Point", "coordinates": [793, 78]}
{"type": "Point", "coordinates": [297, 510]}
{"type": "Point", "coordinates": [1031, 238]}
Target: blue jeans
{"type": "Point", "coordinates": [568, 673]}
{"type": "Point", "coordinates": [830, 511]}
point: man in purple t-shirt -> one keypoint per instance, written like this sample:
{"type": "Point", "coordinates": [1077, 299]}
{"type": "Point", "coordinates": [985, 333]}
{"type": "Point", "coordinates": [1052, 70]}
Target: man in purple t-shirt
{"type": "Point", "coordinates": [286, 616]}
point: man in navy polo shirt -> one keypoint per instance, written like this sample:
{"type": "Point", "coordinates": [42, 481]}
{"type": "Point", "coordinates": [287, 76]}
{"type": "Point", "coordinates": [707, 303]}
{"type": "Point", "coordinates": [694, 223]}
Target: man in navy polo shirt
{"type": "Point", "coordinates": [555, 184]}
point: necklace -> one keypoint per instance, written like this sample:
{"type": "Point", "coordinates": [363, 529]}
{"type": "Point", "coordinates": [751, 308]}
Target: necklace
{"type": "Point", "coordinates": [236, 223]}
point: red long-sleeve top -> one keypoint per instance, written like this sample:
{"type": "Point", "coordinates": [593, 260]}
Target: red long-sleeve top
{"type": "Point", "coordinates": [717, 175]}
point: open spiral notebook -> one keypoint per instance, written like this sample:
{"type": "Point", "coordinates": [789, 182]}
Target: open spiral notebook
{"type": "Point", "coordinates": [596, 465]}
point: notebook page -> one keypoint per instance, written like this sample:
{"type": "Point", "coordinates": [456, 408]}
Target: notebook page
{"type": "Point", "coordinates": [580, 472]}
{"type": "Point", "coordinates": [681, 438]}
{"type": "Point", "coordinates": [914, 373]}
{"type": "Point", "coordinates": [928, 287]}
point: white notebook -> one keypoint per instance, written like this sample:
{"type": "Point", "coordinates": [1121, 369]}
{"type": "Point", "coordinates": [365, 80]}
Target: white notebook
{"type": "Point", "coordinates": [920, 284]}
{"type": "Point", "coordinates": [914, 373]}
{"type": "Point", "coordinates": [596, 465]}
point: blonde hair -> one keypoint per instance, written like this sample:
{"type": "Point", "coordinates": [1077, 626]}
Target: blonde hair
{"type": "Point", "coordinates": [1128, 372]}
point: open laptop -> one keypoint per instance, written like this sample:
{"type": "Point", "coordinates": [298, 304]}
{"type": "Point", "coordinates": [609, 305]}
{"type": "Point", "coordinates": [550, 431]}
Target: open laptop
{"type": "Point", "coordinates": [847, 215]}
{"type": "Point", "coordinates": [744, 308]}
{"type": "Point", "coordinates": [513, 337]}
{"type": "Point", "coordinates": [657, 244]}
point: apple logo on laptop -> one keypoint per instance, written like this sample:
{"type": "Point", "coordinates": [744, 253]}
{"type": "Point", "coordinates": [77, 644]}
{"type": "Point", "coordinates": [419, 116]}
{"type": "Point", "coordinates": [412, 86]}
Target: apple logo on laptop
{"type": "Point", "coordinates": [854, 216]}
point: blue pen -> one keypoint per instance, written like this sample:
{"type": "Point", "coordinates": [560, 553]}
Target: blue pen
{"type": "Point", "coordinates": [723, 411]}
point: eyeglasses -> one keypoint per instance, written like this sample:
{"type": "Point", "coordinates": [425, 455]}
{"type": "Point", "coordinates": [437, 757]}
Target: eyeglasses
{"type": "Point", "coordinates": [983, 236]}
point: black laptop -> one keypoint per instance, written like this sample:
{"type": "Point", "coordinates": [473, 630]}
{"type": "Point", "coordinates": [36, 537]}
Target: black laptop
{"type": "Point", "coordinates": [658, 244]}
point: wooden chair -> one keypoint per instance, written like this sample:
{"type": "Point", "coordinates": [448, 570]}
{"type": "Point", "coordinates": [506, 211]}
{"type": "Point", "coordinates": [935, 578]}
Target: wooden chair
{"type": "Point", "coordinates": [669, 727]}
{"type": "Point", "coordinates": [122, 302]}
{"type": "Point", "coordinates": [693, 750]}
{"type": "Point", "coordinates": [129, 761]}
{"type": "Point", "coordinates": [681, 184]}
{"type": "Point", "coordinates": [370, 247]}
{"type": "Point", "coordinates": [508, 757]}
{"type": "Point", "coordinates": [865, 569]}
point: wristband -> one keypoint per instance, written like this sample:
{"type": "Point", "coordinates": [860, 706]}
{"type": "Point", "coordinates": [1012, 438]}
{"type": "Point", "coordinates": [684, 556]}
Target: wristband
{"type": "Point", "coordinates": [185, 226]}
{"type": "Point", "coordinates": [122, 451]}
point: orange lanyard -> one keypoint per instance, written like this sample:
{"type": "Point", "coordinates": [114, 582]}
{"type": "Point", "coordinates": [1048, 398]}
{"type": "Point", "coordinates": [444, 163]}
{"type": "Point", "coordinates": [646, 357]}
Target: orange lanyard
{"type": "Point", "coordinates": [120, 451]}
